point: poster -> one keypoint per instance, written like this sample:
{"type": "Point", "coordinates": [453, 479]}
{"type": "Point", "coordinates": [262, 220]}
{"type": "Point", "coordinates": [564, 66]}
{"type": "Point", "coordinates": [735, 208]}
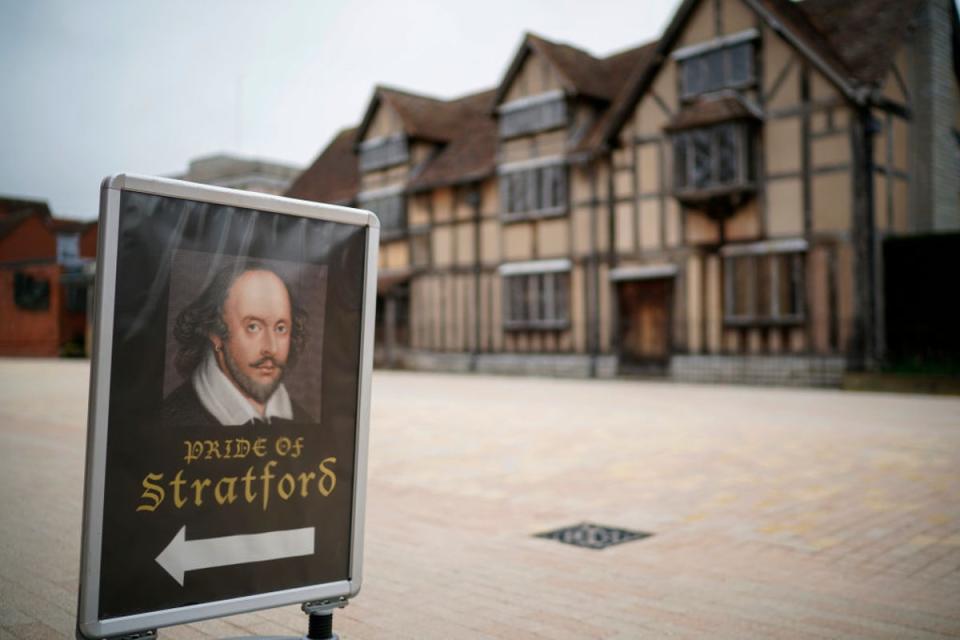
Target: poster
{"type": "Point", "coordinates": [230, 434]}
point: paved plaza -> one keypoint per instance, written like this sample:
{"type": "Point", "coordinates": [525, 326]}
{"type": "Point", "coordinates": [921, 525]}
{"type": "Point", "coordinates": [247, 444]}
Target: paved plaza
{"type": "Point", "coordinates": [776, 513]}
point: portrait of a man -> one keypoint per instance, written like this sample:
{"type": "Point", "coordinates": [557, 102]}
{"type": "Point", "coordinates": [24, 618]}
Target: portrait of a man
{"type": "Point", "coordinates": [236, 341]}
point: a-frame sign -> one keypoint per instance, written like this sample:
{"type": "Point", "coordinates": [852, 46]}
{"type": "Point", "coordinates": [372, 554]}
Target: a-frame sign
{"type": "Point", "coordinates": [229, 404]}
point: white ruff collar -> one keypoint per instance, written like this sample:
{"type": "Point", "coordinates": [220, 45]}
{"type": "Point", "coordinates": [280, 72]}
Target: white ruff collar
{"type": "Point", "coordinates": [220, 396]}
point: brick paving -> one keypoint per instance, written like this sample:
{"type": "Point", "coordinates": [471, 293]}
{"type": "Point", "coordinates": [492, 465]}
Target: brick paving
{"type": "Point", "coordinates": [777, 513]}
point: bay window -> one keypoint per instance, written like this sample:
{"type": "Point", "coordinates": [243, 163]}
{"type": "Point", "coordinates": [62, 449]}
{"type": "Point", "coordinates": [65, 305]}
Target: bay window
{"type": "Point", "coordinates": [712, 158]}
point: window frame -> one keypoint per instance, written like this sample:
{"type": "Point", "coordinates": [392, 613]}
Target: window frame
{"type": "Point", "coordinates": [773, 256]}
{"type": "Point", "coordinates": [392, 223]}
{"type": "Point", "coordinates": [420, 247]}
{"type": "Point", "coordinates": [542, 289]}
{"type": "Point", "coordinates": [534, 189]}
{"type": "Point", "coordinates": [743, 143]}
{"type": "Point", "coordinates": [394, 150]}
{"type": "Point", "coordinates": [68, 249]}
{"type": "Point", "coordinates": [551, 109]}
{"type": "Point", "coordinates": [31, 292]}
{"type": "Point", "coordinates": [722, 47]}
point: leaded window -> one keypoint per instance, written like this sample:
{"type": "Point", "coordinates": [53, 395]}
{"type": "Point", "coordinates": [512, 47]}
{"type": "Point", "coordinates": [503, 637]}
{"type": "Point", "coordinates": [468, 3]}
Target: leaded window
{"type": "Point", "coordinates": [533, 116]}
{"type": "Point", "coordinates": [383, 152]}
{"type": "Point", "coordinates": [539, 301]}
{"type": "Point", "coordinates": [390, 209]}
{"type": "Point", "coordinates": [764, 288]}
{"type": "Point", "coordinates": [723, 67]}
{"type": "Point", "coordinates": [712, 157]}
{"type": "Point", "coordinates": [534, 191]}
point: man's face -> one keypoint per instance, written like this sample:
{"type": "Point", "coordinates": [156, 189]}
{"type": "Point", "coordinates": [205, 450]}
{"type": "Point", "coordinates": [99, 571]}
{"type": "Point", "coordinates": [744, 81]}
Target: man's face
{"type": "Point", "coordinates": [257, 315]}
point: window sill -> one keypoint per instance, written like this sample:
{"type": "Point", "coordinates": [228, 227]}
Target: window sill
{"type": "Point", "coordinates": [538, 325]}
{"type": "Point", "coordinates": [725, 197]}
{"type": "Point", "coordinates": [742, 323]}
{"type": "Point", "coordinates": [532, 132]}
{"type": "Point", "coordinates": [708, 193]}
{"type": "Point", "coordinates": [689, 98]}
{"type": "Point", "coordinates": [370, 168]}
{"type": "Point", "coordinates": [556, 212]}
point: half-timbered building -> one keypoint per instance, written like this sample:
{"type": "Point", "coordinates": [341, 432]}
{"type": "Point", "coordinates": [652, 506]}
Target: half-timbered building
{"type": "Point", "coordinates": [708, 206]}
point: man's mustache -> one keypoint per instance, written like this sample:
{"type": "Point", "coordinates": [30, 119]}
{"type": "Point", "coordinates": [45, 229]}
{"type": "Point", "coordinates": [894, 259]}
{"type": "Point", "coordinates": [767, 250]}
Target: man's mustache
{"type": "Point", "coordinates": [265, 359]}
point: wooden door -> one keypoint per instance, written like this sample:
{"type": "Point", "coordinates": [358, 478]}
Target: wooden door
{"type": "Point", "coordinates": [645, 320]}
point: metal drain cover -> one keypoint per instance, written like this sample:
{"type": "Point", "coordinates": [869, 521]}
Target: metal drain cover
{"type": "Point", "coordinates": [593, 536]}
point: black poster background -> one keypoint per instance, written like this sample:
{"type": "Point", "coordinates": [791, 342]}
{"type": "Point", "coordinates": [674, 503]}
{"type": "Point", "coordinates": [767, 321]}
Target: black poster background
{"type": "Point", "coordinates": [152, 229]}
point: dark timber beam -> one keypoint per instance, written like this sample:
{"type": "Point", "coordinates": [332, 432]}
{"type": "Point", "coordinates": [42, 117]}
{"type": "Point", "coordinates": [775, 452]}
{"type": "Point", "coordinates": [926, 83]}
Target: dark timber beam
{"type": "Point", "coordinates": [863, 347]}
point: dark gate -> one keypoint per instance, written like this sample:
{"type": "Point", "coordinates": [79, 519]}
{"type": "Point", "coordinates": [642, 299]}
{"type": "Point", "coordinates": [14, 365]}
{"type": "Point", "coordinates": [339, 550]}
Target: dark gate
{"type": "Point", "coordinates": [922, 303]}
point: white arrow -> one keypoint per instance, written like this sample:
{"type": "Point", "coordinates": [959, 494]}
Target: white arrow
{"type": "Point", "coordinates": [182, 555]}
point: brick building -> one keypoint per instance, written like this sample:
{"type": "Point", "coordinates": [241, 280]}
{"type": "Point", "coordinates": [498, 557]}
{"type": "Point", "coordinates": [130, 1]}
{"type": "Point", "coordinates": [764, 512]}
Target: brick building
{"type": "Point", "coordinates": [708, 206]}
{"type": "Point", "coordinates": [44, 280]}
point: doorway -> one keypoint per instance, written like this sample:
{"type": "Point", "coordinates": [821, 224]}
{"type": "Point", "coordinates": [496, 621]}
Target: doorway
{"type": "Point", "coordinates": [392, 336]}
{"type": "Point", "coordinates": [644, 324]}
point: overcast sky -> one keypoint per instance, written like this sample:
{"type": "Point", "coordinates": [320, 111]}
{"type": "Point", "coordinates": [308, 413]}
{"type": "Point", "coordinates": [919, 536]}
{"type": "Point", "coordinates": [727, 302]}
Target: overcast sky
{"type": "Point", "coordinates": [92, 88]}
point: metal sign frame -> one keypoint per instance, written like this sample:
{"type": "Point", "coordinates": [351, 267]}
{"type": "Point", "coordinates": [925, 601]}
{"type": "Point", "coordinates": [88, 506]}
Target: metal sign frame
{"type": "Point", "coordinates": [88, 622]}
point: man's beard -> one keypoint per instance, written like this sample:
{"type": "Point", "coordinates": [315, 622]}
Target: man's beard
{"type": "Point", "coordinates": [259, 391]}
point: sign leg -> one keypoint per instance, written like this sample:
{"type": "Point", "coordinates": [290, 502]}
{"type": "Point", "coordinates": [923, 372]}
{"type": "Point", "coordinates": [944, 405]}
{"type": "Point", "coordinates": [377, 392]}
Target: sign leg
{"type": "Point", "coordinates": [321, 627]}
{"type": "Point", "coordinates": [321, 619]}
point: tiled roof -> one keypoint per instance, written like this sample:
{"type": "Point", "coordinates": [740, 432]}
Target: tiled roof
{"type": "Point", "coordinates": [334, 176]}
{"type": "Point", "coordinates": [13, 217]}
{"type": "Point", "coordinates": [465, 127]}
{"type": "Point", "coordinates": [855, 40]}
{"type": "Point", "coordinates": [582, 73]}
{"type": "Point", "coordinates": [423, 117]}
{"type": "Point", "coordinates": [587, 75]}
{"type": "Point", "coordinates": [14, 211]}
{"type": "Point", "coordinates": [11, 221]}
{"type": "Point", "coordinates": [10, 205]}
{"type": "Point", "coordinates": [471, 154]}
{"type": "Point", "coordinates": [863, 36]}
{"type": "Point", "coordinates": [623, 67]}
{"type": "Point", "coordinates": [61, 225]}
{"type": "Point", "coordinates": [799, 25]}
{"type": "Point", "coordinates": [713, 109]}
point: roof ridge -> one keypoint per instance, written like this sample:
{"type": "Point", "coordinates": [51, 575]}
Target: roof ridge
{"type": "Point", "coordinates": [23, 200]}
{"type": "Point", "coordinates": [457, 102]}
{"type": "Point", "coordinates": [585, 73]}
{"type": "Point", "coordinates": [565, 45]}
{"type": "Point", "coordinates": [406, 92]}
{"type": "Point", "coordinates": [630, 50]}
{"type": "Point", "coordinates": [473, 94]}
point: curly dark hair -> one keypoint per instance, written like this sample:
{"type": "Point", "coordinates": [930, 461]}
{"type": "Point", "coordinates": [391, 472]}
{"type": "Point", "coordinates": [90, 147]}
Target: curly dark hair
{"type": "Point", "coordinates": [204, 316]}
